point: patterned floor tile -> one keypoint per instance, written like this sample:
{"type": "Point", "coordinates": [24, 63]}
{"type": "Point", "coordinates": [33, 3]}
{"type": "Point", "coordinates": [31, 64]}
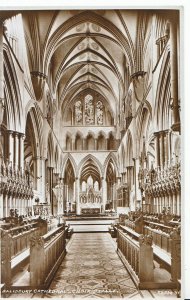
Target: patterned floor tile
{"type": "Point", "coordinates": [92, 269]}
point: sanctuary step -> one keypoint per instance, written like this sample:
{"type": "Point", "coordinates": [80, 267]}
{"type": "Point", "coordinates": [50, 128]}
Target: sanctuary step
{"type": "Point", "coordinates": [90, 225]}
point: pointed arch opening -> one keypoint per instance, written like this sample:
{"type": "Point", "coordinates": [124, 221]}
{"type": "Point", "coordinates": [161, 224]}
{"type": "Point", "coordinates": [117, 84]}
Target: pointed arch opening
{"type": "Point", "coordinates": [111, 185]}
{"type": "Point", "coordinates": [69, 188]}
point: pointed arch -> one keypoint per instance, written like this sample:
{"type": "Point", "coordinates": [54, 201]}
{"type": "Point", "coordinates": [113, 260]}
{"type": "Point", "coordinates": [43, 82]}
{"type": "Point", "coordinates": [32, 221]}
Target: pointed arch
{"type": "Point", "coordinates": [111, 157]}
{"type": "Point", "coordinates": [94, 159]}
{"type": "Point", "coordinates": [90, 141]}
{"type": "Point", "coordinates": [111, 141]}
{"type": "Point", "coordinates": [79, 141]}
{"type": "Point", "coordinates": [64, 162]}
{"type": "Point", "coordinates": [162, 111]}
{"type": "Point", "coordinates": [101, 141]}
{"type": "Point", "coordinates": [13, 101]}
{"type": "Point", "coordinates": [68, 141]}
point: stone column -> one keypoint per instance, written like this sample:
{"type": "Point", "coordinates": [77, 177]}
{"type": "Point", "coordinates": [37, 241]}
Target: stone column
{"type": "Point", "coordinates": [43, 178]}
{"type": "Point", "coordinates": [67, 197]}
{"type": "Point", "coordinates": [173, 203]}
{"type": "Point", "coordinates": [64, 195]}
{"type": "Point", "coordinates": [137, 190]}
{"type": "Point", "coordinates": [16, 147]}
{"type": "Point", "coordinates": [77, 191]}
{"type": "Point", "coordinates": [161, 143]}
{"type": "Point", "coordinates": [157, 147]}
{"type": "Point", "coordinates": [166, 147]}
{"type": "Point", "coordinates": [11, 146]}
{"type": "Point", "coordinates": [104, 192]}
{"type": "Point", "coordinates": [73, 144]}
{"type": "Point", "coordinates": [157, 204]}
{"type": "Point", "coordinates": [95, 144]}
{"type": "Point", "coordinates": [83, 144]}
{"type": "Point", "coordinates": [116, 198]}
{"type": "Point", "coordinates": [107, 143]}
{"type": "Point", "coordinates": [169, 201]}
{"type": "Point", "coordinates": [21, 152]}
{"type": "Point", "coordinates": [178, 204]}
{"type": "Point", "coordinates": [74, 200]}
{"type": "Point", "coordinates": [51, 187]}
{"type": "Point", "coordinates": [174, 73]}
{"type": "Point", "coordinates": [37, 173]}
{"type": "Point", "coordinates": [3, 211]}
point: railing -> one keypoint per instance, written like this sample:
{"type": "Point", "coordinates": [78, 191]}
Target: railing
{"type": "Point", "coordinates": [46, 254]}
{"type": "Point", "coordinates": [137, 256]}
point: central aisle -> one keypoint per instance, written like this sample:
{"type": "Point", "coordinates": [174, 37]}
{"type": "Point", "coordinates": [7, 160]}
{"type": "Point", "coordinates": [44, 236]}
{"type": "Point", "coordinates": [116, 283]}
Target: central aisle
{"type": "Point", "coordinates": [92, 268]}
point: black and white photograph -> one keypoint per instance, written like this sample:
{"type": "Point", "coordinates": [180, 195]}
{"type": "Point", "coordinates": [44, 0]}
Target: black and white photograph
{"type": "Point", "coordinates": [91, 108]}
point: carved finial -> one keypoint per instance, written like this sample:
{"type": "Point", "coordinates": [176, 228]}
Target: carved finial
{"type": "Point", "coordinates": [36, 241]}
{"type": "Point", "coordinates": [175, 234]}
{"type": "Point", "coordinates": [145, 240]}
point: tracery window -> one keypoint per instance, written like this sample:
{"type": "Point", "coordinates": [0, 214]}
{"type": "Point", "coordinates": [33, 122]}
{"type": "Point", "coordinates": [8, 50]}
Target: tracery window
{"type": "Point", "coordinates": [89, 110]}
{"type": "Point", "coordinates": [99, 112]}
{"type": "Point", "coordinates": [78, 112]}
{"type": "Point", "coordinates": [89, 113]}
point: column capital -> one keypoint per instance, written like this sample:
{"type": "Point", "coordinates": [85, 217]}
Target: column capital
{"type": "Point", "coordinates": [161, 132]}
{"type": "Point", "coordinates": [10, 132]}
{"type": "Point", "coordinates": [22, 135]}
{"type": "Point", "coordinates": [56, 173]}
{"type": "Point", "coordinates": [50, 168]}
{"type": "Point", "coordinates": [135, 158]}
{"type": "Point", "coordinates": [16, 134]}
{"type": "Point", "coordinates": [129, 167]}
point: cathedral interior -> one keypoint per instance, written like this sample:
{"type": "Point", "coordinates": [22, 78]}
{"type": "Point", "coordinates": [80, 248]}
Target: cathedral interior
{"type": "Point", "coordinates": [90, 159]}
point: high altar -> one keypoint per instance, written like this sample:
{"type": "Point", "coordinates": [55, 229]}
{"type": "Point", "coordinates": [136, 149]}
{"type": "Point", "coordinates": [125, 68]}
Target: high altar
{"type": "Point", "coordinates": [90, 197]}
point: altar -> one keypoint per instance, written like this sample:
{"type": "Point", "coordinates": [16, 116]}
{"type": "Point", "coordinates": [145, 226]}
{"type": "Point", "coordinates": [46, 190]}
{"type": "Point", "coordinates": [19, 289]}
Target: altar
{"type": "Point", "coordinates": [90, 198]}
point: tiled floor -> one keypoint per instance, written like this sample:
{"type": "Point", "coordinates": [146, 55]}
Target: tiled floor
{"type": "Point", "coordinates": [92, 269]}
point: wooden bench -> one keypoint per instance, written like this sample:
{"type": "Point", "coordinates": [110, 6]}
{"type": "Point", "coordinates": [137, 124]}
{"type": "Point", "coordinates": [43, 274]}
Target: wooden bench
{"type": "Point", "coordinates": [158, 252]}
{"type": "Point", "coordinates": [20, 258]}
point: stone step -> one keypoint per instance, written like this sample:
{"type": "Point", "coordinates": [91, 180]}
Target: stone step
{"type": "Point", "coordinates": [90, 227]}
